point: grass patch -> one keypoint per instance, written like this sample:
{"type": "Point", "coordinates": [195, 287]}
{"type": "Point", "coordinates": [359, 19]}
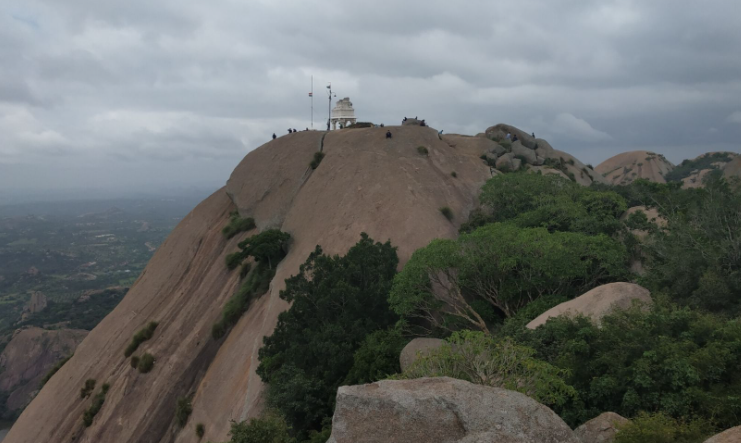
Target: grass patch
{"type": "Point", "coordinates": [454, 174]}
{"type": "Point", "coordinates": [183, 411]}
{"type": "Point", "coordinates": [146, 363]}
{"type": "Point", "coordinates": [422, 150]}
{"type": "Point", "coordinates": [92, 411]}
{"type": "Point", "coordinates": [318, 156]}
{"type": "Point", "coordinates": [53, 371]}
{"type": "Point", "coordinates": [257, 283]}
{"type": "Point", "coordinates": [237, 224]}
{"type": "Point", "coordinates": [447, 212]}
{"type": "Point", "coordinates": [200, 430]}
{"type": "Point", "coordinates": [88, 388]}
{"type": "Point", "coordinates": [140, 337]}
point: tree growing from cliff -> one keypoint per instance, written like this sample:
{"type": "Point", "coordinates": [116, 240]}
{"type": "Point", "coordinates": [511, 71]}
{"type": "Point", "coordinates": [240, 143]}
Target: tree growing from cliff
{"type": "Point", "coordinates": [336, 302]}
{"type": "Point", "coordinates": [267, 247]}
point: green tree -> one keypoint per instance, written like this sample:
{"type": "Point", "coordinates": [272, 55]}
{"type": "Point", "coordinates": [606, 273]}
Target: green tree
{"type": "Point", "coordinates": [504, 266]}
{"type": "Point", "coordinates": [660, 428]}
{"type": "Point", "coordinates": [481, 359]}
{"type": "Point", "coordinates": [270, 428]}
{"type": "Point", "coordinates": [377, 358]}
{"type": "Point", "coordinates": [668, 359]}
{"type": "Point", "coordinates": [266, 247]}
{"type": "Point", "coordinates": [336, 302]}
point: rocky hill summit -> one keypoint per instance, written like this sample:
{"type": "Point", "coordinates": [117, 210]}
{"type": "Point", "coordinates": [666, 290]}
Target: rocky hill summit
{"type": "Point", "coordinates": [391, 188]}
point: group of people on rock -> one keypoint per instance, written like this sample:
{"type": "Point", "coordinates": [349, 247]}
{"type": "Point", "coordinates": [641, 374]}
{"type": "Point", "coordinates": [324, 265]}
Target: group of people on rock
{"type": "Point", "coordinates": [514, 137]}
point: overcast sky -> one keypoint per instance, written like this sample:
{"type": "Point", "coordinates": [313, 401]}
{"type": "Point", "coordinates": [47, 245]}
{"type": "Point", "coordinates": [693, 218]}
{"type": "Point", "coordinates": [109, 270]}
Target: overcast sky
{"type": "Point", "coordinates": [143, 94]}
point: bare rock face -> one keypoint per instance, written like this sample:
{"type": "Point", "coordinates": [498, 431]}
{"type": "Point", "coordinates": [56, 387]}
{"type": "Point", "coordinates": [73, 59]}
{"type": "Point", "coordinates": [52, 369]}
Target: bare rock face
{"type": "Point", "coordinates": [627, 167]}
{"type": "Point", "coordinates": [597, 303]}
{"type": "Point", "coordinates": [732, 435]}
{"type": "Point", "coordinates": [418, 346]}
{"type": "Point", "coordinates": [601, 429]}
{"type": "Point", "coordinates": [733, 168]}
{"type": "Point", "coordinates": [442, 410]}
{"type": "Point", "coordinates": [29, 356]}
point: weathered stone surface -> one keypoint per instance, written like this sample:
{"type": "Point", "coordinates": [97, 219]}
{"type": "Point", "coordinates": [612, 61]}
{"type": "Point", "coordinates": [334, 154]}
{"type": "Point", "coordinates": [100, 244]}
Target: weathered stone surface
{"type": "Point", "coordinates": [516, 163]}
{"type": "Point", "coordinates": [505, 161]}
{"type": "Point", "coordinates": [627, 167]}
{"type": "Point", "coordinates": [546, 170]}
{"type": "Point", "coordinates": [601, 429]}
{"type": "Point", "coordinates": [500, 131]}
{"type": "Point", "coordinates": [497, 150]}
{"type": "Point", "coordinates": [518, 150]}
{"type": "Point", "coordinates": [732, 435]}
{"type": "Point", "coordinates": [418, 346]}
{"type": "Point", "coordinates": [442, 410]}
{"type": "Point", "coordinates": [597, 303]}
{"type": "Point", "coordinates": [733, 168]}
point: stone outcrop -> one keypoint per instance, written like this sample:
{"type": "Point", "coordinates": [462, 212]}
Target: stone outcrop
{"type": "Point", "coordinates": [601, 429]}
{"type": "Point", "coordinates": [36, 304]}
{"type": "Point", "coordinates": [732, 435]}
{"type": "Point", "coordinates": [733, 168]}
{"type": "Point", "coordinates": [415, 348]}
{"type": "Point", "coordinates": [442, 410]}
{"type": "Point", "coordinates": [627, 167]}
{"type": "Point", "coordinates": [597, 303]}
{"type": "Point", "coordinates": [534, 153]}
{"type": "Point", "coordinates": [29, 356]}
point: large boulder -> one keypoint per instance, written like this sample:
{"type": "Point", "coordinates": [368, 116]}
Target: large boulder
{"type": "Point", "coordinates": [415, 348]}
{"type": "Point", "coordinates": [601, 429]}
{"type": "Point", "coordinates": [442, 410]}
{"type": "Point", "coordinates": [597, 303]}
{"type": "Point", "coordinates": [505, 161]}
{"type": "Point", "coordinates": [518, 150]}
{"type": "Point", "coordinates": [732, 435]}
{"type": "Point", "coordinates": [499, 132]}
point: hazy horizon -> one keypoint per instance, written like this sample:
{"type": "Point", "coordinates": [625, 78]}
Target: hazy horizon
{"type": "Point", "coordinates": [105, 98]}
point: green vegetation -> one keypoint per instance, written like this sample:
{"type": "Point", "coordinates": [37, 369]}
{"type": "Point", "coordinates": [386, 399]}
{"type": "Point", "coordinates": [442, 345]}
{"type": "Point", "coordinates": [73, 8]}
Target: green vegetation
{"type": "Point", "coordinates": [200, 430]}
{"type": "Point", "coordinates": [267, 249]}
{"type": "Point", "coordinates": [270, 428]}
{"type": "Point", "coordinates": [134, 361]}
{"type": "Point", "coordinates": [146, 363]}
{"type": "Point", "coordinates": [237, 224]}
{"type": "Point", "coordinates": [183, 409]}
{"type": "Point", "coordinates": [447, 212]}
{"type": "Point", "coordinates": [140, 337]}
{"type": "Point", "coordinates": [454, 174]}
{"type": "Point", "coordinates": [318, 156]}
{"type": "Point", "coordinates": [335, 303]}
{"type": "Point", "coordinates": [479, 358]}
{"type": "Point", "coordinates": [422, 150]}
{"type": "Point", "coordinates": [503, 267]}
{"type": "Point", "coordinates": [88, 388]}
{"type": "Point", "coordinates": [54, 369]}
{"type": "Point", "coordinates": [684, 169]}
{"type": "Point", "coordinates": [661, 428]}
{"type": "Point", "coordinates": [377, 357]}
{"type": "Point", "coordinates": [97, 404]}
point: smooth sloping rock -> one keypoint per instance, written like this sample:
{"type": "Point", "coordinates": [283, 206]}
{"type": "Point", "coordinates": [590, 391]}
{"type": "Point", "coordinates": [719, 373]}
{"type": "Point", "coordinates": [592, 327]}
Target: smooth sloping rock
{"type": "Point", "coordinates": [733, 168]}
{"type": "Point", "coordinates": [732, 435]}
{"type": "Point", "coordinates": [597, 303]}
{"type": "Point", "coordinates": [415, 348]}
{"type": "Point", "coordinates": [442, 410]}
{"type": "Point", "coordinates": [601, 429]}
{"type": "Point", "coordinates": [624, 168]}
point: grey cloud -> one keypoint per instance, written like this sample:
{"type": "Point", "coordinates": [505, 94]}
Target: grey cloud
{"type": "Point", "coordinates": [143, 84]}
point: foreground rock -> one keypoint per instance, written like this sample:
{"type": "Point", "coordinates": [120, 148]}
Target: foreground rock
{"type": "Point", "coordinates": [28, 357]}
{"type": "Point", "coordinates": [732, 435]}
{"type": "Point", "coordinates": [597, 303]}
{"type": "Point", "coordinates": [442, 410]}
{"type": "Point", "coordinates": [415, 348]}
{"type": "Point", "coordinates": [601, 429]}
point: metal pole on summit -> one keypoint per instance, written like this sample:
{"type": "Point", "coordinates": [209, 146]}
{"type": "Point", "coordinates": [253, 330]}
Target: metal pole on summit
{"type": "Point", "coordinates": [311, 94]}
{"type": "Point", "coordinates": [329, 108]}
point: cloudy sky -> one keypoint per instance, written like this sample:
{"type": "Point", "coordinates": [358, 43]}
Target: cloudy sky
{"type": "Point", "coordinates": [145, 95]}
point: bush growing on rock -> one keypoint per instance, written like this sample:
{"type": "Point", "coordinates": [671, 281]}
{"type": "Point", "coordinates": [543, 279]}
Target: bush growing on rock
{"type": "Point", "coordinates": [134, 361]}
{"type": "Point", "coordinates": [140, 337]}
{"type": "Point", "coordinates": [183, 409]}
{"type": "Point", "coordinates": [97, 404]}
{"type": "Point", "coordinates": [237, 224]}
{"type": "Point", "coordinates": [200, 430]}
{"type": "Point", "coordinates": [447, 212]}
{"type": "Point", "coordinates": [335, 303]}
{"type": "Point", "coordinates": [318, 157]}
{"type": "Point", "coordinates": [270, 428]}
{"type": "Point", "coordinates": [88, 388]}
{"type": "Point", "coordinates": [146, 363]}
{"type": "Point", "coordinates": [257, 283]}
{"type": "Point", "coordinates": [422, 150]}
{"type": "Point", "coordinates": [479, 358]}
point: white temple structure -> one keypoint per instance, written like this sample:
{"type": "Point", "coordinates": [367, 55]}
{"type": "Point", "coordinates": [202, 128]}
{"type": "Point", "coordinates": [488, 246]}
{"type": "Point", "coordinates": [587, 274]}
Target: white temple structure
{"type": "Point", "coordinates": [343, 113]}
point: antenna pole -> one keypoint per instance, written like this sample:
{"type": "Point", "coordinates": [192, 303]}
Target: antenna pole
{"type": "Point", "coordinates": [312, 102]}
{"type": "Point", "coordinates": [329, 108]}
